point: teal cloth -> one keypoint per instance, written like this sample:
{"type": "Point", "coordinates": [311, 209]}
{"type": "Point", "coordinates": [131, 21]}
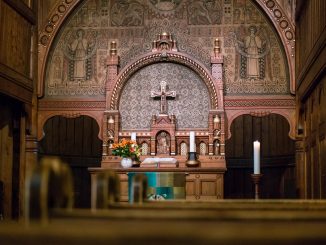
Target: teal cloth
{"type": "Point", "coordinates": [162, 185]}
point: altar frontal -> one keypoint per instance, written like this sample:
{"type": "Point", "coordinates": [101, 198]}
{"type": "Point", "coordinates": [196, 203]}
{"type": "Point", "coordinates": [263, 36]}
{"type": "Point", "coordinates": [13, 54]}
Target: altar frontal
{"type": "Point", "coordinates": [162, 185]}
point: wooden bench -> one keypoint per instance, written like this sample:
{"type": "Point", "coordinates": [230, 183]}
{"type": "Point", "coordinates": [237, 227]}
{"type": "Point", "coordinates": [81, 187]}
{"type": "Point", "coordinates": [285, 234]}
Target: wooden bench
{"type": "Point", "coordinates": [165, 222]}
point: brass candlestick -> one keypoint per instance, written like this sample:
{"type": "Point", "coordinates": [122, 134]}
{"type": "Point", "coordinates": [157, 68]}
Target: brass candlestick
{"type": "Point", "coordinates": [192, 160]}
{"type": "Point", "coordinates": [256, 179]}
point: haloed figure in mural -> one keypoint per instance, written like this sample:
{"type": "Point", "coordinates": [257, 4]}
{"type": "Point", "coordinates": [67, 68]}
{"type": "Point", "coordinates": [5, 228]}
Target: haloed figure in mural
{"type": "Point", "coordinates": [252, 45]}
{"type": "Point", "coordinates": [253, 50]}
{"type": "Point", "coordinates": [79, 48]}
{"type": "Point", "coordinates": [79, 51]}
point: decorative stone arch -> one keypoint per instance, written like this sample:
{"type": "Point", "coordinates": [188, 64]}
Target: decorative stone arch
{"type": "Point", "coordinates": [289, 115]}
{"type": "Point", "coordinates": [46, 116]}
{"type": "Point", "coordinates": [63, 8]}
{"type": "Point", "coordinates": [169, 56]}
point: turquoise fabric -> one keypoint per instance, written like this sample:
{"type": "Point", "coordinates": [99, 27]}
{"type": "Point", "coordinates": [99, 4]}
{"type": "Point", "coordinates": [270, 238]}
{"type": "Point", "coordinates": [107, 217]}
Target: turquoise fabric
{"type": "Point", "coordinates": [162, 185]}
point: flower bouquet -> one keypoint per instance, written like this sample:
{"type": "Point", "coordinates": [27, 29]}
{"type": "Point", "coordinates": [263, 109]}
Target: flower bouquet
{"type": "Point", "coordinates": [127, 149]}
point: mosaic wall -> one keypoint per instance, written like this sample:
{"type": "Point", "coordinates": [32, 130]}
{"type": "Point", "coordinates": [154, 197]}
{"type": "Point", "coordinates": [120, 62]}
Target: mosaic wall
{"type": "Point", "coordinates": [254, 61]}
{"type": "Point", "coordinates": [190, 106]}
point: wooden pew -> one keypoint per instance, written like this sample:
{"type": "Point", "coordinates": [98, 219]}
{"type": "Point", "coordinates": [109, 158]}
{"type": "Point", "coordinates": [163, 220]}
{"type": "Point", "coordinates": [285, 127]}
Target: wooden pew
{"type": "Point", "coordinates": [177, 222]}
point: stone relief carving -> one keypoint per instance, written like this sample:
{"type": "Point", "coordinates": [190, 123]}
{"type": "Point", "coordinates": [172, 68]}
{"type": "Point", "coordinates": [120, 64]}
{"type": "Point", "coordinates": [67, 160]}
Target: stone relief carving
{"type": "Point", "coordinates": [142, 20]}
{"type": "Point", "coordinates": [190, 107]}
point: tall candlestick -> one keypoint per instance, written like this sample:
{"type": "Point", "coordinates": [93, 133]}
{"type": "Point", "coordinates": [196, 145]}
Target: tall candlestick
{"type": "Point", "coordinates": [192, 142]}
{"type": "Point", "coordinates": [133, 136]}
{"type": "Point", "coordinates": [256, 157]}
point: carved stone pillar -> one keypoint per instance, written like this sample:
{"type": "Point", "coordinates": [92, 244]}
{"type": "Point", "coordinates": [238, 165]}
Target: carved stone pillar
{"type": "Point", "coordinates": [112, 71]}
{"type": "Point", "coordinates": [173, 148]}
{"type": "Point", "coordinates": [217, 72]}
{"type": "Point", "coordinates": [217, 60]}
{"type": "Point", "coordinates": [153, 148]}
{"type": "Point", "coordinates": [222, 139]}
{"type": "Point", "coordinates": [211, 136]}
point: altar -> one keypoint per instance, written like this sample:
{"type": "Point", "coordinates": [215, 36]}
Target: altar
{"type": "Point", "coordinates": [201, 183]}
{"type": "Point", "coordinates": [171, 107]}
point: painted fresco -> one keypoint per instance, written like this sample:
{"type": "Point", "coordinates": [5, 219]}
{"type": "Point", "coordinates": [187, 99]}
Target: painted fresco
{"type": "Point", "coordinates": [254, 61]}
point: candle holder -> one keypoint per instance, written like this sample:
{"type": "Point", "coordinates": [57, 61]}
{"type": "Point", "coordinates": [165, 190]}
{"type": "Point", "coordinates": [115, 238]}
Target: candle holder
{"type": "Point", "coordinates": [256, 180]}
{"type": "Point", "coordinates": [192, 160]}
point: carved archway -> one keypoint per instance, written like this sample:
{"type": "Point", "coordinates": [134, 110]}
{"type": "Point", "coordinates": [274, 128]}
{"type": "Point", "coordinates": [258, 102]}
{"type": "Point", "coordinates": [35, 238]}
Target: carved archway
{"type": "Point", "coordinates": [289, 115]}
{"type": "Point", "coordinates": [64, 8]}
{"type": "Point", "coordinates": [45, 116]}
{"type": "Point", "coordinates": [170, 56]}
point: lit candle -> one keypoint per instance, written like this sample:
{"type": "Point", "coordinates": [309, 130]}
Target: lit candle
{"type": "Point", "coordinates": [133, 136]}
{"type": "Point", "coordinates": [256, 157]}
{"type": "Point", "coordinates": [192, 142]}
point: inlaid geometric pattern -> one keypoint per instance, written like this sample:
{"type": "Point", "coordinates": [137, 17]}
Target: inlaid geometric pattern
{"type": "Point", "coordinates": [183, 149]}
{"type": "Point", "coordinates": [202, 148]}
{"type": "Point", "coordinates": [144, 149]}
{"type": "Point", "coordinates": [191, 105]}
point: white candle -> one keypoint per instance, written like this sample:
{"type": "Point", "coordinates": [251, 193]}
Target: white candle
{"type": "Point", "coordinates": [133, 136]}
{"type": "Point", "coordinates": [256, 157]}
{"type": "Point", "coordinates": [192, 142]}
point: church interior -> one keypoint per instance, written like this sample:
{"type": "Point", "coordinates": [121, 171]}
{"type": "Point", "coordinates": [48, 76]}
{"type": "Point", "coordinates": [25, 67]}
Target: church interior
{"type": "Point", "coordinates": [109, 107]}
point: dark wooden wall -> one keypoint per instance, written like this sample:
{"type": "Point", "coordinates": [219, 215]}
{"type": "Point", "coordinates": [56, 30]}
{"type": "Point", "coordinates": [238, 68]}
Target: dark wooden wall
{"type": "Point", "coordinates": [76, 141]}
{"type": "Point", "coordinates": [277, 157]}
{"type": "Point", "coordinates": [10, 160]}
{"type": "Point", "coordinates": [18, 58]}
{"type": "Point", "coordinates": [311, 98]}
{"type": "Point", "coordinates": [18, 48]}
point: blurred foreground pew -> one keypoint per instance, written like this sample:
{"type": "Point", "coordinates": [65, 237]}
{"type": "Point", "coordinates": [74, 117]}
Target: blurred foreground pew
{"type": "Point", "coordinates": [159, 222]}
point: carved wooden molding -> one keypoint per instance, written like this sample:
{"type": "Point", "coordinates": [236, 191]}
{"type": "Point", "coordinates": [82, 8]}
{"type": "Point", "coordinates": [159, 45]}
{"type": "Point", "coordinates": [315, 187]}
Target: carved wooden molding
{"type": "Point", "coordinates": [289, 114]}
{"type": "Point", "coordinates": [56, 18]}
{"type": "Point", "coordinates": [285, 30]}
{"type": "Point", "coordinates": [70, 105]}
{"type": "Point", "coordinates": [170, 56]}
{"type": "Point", "coordinates": [43, 116]}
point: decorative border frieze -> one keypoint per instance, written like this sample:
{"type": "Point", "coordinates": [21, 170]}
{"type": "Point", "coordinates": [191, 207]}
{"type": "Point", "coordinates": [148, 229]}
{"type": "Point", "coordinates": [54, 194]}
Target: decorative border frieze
{"type": "Point", "coordinates": [46, 104]}
{"type": "Point", "coordinates": [286, 31]}
{"type": "Point", "coordinates": [259, 102]}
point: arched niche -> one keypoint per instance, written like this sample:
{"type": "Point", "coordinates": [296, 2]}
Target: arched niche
{"type": "Point", "coordinates": [216, 99]}
{"type": "Point", "coordinates": [190, 107]}
{"type": "Point", "coordinates": [75, 141]}
{"type": "Point", "coordinates": [47, 115]}
{"type": "Point", "coordinates": [288, 114]}
{"type": "Point", "coordinates": [277, 157]}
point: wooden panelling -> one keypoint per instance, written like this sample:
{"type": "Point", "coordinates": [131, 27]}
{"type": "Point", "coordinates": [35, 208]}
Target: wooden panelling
{"type": "Point", "coordinates": [76, 141]}
{"type": "Point", "coordinates": [44, 10]}
{"type": "Point", "coordinates": [311, 98]}
{"type": "Point", "coordinates": [10, 157]}
{"type": "Point", "coordinates": [200, 185]}
{"type": "Point", "coordinates": [313, 162]}
{"type": "Point", "coordinates": [17, 50]}
{"type": "Point", "coordinates": [15, 40]}
{"type": "Point", "coordinates": [309, 26]}
{"type": "Point", "coordinates": [277, 157]}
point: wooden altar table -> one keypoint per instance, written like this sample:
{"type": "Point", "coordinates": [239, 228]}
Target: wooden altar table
{"type": "Point", "coordinates": [201, 183]}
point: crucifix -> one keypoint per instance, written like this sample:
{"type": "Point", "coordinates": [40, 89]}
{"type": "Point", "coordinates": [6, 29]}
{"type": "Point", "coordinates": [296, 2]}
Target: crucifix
{"type": "Point", "coordinates": [163, 94]}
